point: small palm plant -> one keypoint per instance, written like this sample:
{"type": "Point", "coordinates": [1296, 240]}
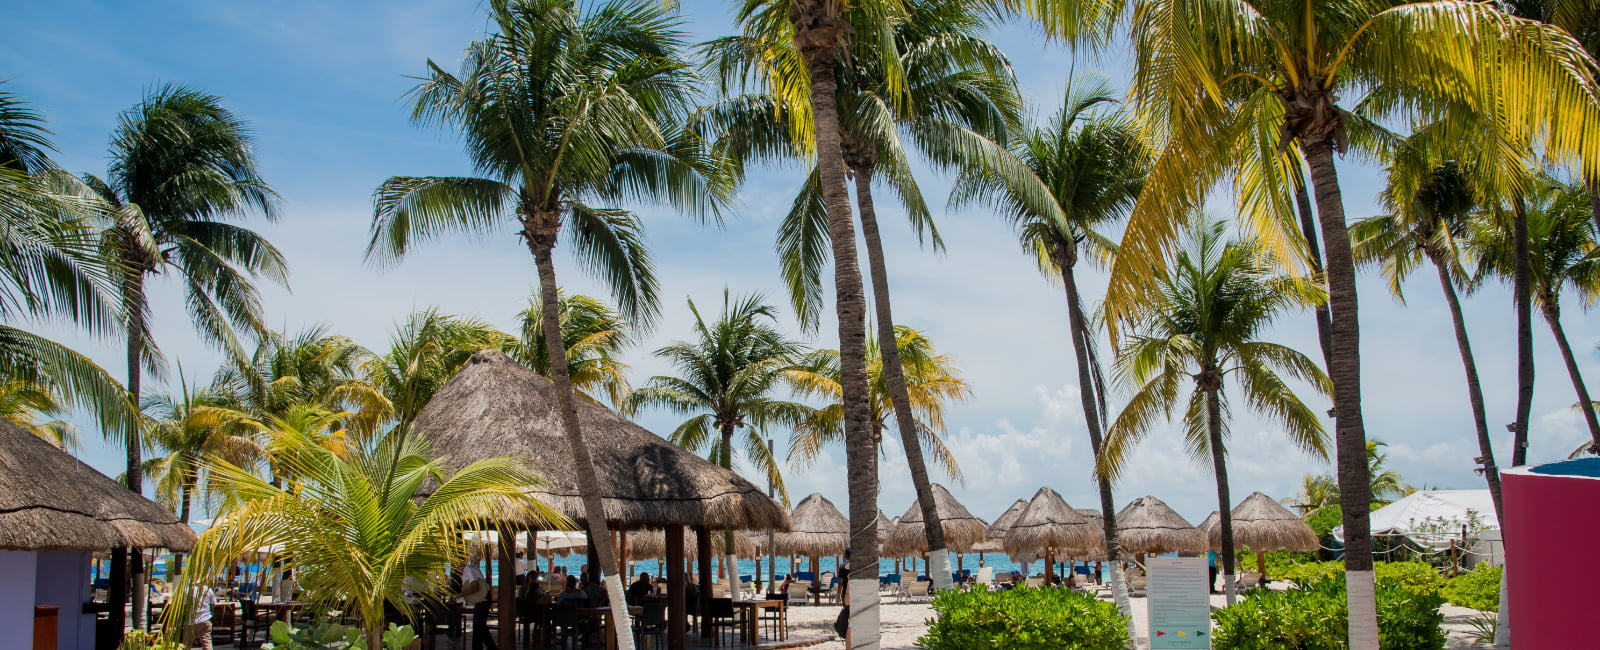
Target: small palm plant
{"type": "Point", "coordinates": [593, 333]}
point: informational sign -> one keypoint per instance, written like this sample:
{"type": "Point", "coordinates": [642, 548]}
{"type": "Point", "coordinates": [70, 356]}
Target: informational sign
{"type": "Point", "coordinates": [1180, 603]}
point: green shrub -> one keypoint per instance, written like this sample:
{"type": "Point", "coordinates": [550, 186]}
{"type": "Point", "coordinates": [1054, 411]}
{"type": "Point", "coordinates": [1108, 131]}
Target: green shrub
{"type": "Point", "coordinates": [1416, 577]}
{"type": "Point", "coordinates": [141, 640]}
{"type": "Point", "coordinates": [1307, 572]}
{"type": "Point", "coordinates": [1277, 562]}
{"type": "Point", "coordinates": [1478, 589]}
{"type": "Point", "coordinates": [1313, 616]}
{"type": "Point", "coordinates": [1023, 618]}
{"type": "Point", "coordinates": [1322, 520]}
{"type": "Point", "coordinates": [326, 636]}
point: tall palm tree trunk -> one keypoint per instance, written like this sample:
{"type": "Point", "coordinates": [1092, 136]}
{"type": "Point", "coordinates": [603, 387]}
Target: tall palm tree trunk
{"type": "Point", "coordinates": [730, 560]}
{"type": "Point", "coordinates": [1093, 417]}
{"type": "Point", "coordinates": [127, 565]}
{"type": "Point", "coordinates": [1349, 431]}
{"type": "Point", "coordinates": [1522, 299]}
{"type": "Point", "coordinates": [542, 244]}
{"type": "Point", "coordinates": [1308, 229]}
{"type": "Point", "coordinates": [814, 21]}
{"type": "Point", "coordinates": [1552, 315]}
{"type": "Point", "coordinates": [1219, 467]}
{"type": "Point", "coordinates": [894, 375]}
{"type": "Point", "coordinates": [1480, 420]}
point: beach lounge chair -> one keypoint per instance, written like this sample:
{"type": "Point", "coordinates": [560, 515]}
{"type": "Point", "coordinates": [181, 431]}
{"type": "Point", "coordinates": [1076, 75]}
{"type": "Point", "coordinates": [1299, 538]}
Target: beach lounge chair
{"type": "Point", "coordinates": [906, 578]}
{"type": "Point", "coordinates": [985, 577]}
{"type": "Point", "coordinates": [1035, 583]}
{"type": "Point", "coordinates": [799, 592]}
{"type": "Point", "coordinates": [1137, 585]}
{"type": "Point", "coordinates": [1249, 581]}
{"type": "Point", "coordinates": [919, 590]}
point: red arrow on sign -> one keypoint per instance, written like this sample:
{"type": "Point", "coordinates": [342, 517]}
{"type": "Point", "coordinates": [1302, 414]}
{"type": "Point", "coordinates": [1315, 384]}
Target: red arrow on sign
{"type": "Point", "coordinates": [1160, 633]}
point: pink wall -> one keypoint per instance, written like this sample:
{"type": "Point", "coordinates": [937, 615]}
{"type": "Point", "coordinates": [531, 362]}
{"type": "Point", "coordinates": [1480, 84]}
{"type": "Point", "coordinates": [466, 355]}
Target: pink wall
{"type": "Point", "coordinates": [1551, 572]}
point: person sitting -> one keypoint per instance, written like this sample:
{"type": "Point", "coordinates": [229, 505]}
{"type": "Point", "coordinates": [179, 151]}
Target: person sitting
{"type": "Point", "coordinates": [572, 592]}
{"type": "Point", "coordinates": [596, 590]}
{"type": "Point", "coordinates": [640, 588]}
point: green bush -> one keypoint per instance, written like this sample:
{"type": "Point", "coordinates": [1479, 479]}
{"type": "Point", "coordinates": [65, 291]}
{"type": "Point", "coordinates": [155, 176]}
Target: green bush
{"type": "Point", "coordinates": [1478, 589]}
{"type": "Point", "coordinates": [1277, 562]}
{"type": "Point", "coordinates": [141, 640]}
{"type": "Point", "coordinates": [1307, 572]}
{"type": "Point", "coordinates": [1313, 616]}
{"type": "Point", "coordinates": [1024, 618]}
{"type": "Point", "coordinates": [1322, 520]}
{"type": "Point", "coordinates": [327, 636]}
{"type": "Point", "coordinates": [1416, 577]}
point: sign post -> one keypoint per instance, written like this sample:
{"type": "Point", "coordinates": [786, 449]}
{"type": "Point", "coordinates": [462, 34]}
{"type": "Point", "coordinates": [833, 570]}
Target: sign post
{"type": "Point", "coordinates": [1180, 603]}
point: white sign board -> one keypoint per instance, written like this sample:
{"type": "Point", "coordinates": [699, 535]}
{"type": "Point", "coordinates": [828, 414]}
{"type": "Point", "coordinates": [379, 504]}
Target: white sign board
{"type": "Point", "coordinates": [1180, 603]}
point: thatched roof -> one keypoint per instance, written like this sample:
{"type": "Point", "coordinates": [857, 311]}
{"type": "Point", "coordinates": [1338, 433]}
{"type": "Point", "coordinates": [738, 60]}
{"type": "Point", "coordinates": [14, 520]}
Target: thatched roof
{"type": "Point", "coordinates": [1206, 527]}
{"type": "Point", "coordinates": [1148, 526]}
{"type": "Point", "coordinates": [885, 525]}
{"type": "Point", "coordinates": [961, 529]}
{"type": "Point", "coordinates": [50, 501]}
{"type": "Point", "coordinates": [652, 545]}
{"type": "Point", "coordinates": [495, 407]}
{"type": "Point", "coordinates": [1048, 522]}
{"type": "Point", "coordinates": [1097, 522]}
{"type": "Point", "coordinates": [816, 528]}
{"type": "Point", "coordinates": [1262, 524]}
{"type": "Point", "coordinates": [997, 530]}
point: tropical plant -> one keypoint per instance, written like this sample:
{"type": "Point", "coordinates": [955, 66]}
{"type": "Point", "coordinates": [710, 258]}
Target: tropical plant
{"type": "Point", "coordinates": [27, 404]}
{"type": "Point", "coordinates": [313, 366]}
{"type": "Point", "coordinates": [1312, 615]}
{"type": "Point", "coordinates": [188, 429]}
{"type": "Point", "coordinates": [932, 380]}
{"type": "Point", "coordinates": [1023, 618]}
{"type": "Point", "coordinates": [1092, 166]}
{"type": "Point", "coordinates": [425, 351]}
{"type": "Point", "coordinates": [361, 531]}
{"type": "Point", "coordinates": [1384, 484]}
{"type": "Point", "coordinates": [1203, 325]}
{"type": "Point", "coordinates": [594, 335]}
{"type": "Point", "coordinates": [1477, 589]}
{"type": "Point", "coordinates": [1316, 492]}
{"type": "Point", "coordinates": [560, 107]}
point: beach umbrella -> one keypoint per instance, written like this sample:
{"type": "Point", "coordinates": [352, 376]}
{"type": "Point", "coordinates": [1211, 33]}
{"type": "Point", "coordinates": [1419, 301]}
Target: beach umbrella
{"type": "Point", "coordinates": [885, 526]}
{"type": "Point", "coordinates": [997, 530]}
{"type": "Point", "coordinates": [961, 529]}
{"type": "Point", "coordinates": [1149, 526]}
{"type": "Point", "coordinates": [1050, 526]}
{"type": "Point", "coordinates": [1097, 523]}
{"type": "Point", "coordinates": [1262, 524]}
{"type": "Point", "coordinates": [1206, 527]}
{"type": "Point", "coordinates": [817, 528]}
{"type": "Point", "coordinates": [652, 545]}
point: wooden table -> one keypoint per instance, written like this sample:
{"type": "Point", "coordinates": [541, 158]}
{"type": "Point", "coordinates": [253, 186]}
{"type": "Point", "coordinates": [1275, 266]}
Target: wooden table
{"type": "Point", "coordinates": [750, 631]}
{"type": "Point", "coordinates": [611, 623]}
{"type": "Point", "coordinates": [280, 611]}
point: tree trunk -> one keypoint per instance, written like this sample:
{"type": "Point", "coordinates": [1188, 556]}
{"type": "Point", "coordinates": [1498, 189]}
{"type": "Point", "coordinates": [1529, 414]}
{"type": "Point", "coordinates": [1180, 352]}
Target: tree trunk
{"type": "Point", "coordinates": [894, 376]}
{"type": "Point", "coordinates": [542, 245]}
{"type": "Point", "coordinates": [1522, 299]}
{"type": "Point", "coordinates": [1552, 315]}
{"type": "Point", "coordinates": [861, 454]}
{"type": "Point", "coordinates": [730, 561]}
{"type": "Point", "coordinates": [1480, 420]}
{"type": "Point", "coordinates": [1093, 417]}
{"type": "Point", "coordinates": [1345, 371]}
{"type": "Point", "coordinates": [1219, 468]}
{"type": "Point", "coordinates": [1308, 229]}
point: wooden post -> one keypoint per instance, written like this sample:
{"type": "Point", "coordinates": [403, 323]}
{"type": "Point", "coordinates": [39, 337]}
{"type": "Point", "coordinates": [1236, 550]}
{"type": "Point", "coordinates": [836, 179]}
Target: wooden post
{"type": "Point", "coordinates": [508, 587]}
{"type": "Point", "coordinates": [704, 554]}
{"type": "Point", "coordinates": [1049, 566]}
{"type": "Point", "coordinates": [816, 580]}
{"type": "Point", "coordinates": [1261, 565]}
{"type": "Point", "coordinates": [677, 618]}
{"type": "Point", "coordinates": [621, 544]}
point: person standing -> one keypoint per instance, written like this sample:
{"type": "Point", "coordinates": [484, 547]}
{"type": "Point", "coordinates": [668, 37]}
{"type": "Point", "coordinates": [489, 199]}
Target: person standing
{"type": "Point", "coordinates": [475, 594]}
{"type": "Point", "coordinates": [199, 630]}
{"type": "Point", "coordinates": [1211, 559]}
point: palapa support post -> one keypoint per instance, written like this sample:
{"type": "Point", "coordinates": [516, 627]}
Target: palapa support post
{"type": "Point", "coordinates": [678, 618]}
{"type": "Point", "coordinates": [508, 587]}
{"type": "Point", "coordinates": [619, 541]}
{"type": "Point", "coordinates": [1261, 565]}
{"type": "Point", "coordinates": [816, 580]}
{"type": "Point", "coordinates": [703, 556]}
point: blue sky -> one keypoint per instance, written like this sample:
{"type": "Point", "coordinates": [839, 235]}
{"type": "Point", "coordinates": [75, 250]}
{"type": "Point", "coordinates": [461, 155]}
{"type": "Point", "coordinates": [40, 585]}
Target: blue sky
{"type": "Point", "coordinates": [322, 85]}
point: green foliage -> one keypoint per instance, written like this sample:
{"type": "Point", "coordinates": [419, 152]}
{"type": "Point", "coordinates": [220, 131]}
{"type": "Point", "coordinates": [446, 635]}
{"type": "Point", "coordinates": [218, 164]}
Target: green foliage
{"type": "Point", "coordinates": [1023, 618]}
{"type": "Point", "coordinates": [1305, 572]}
{"type": "Point", "coordinates": [1478, 589]}
{"type": "Point", "coordinates": [1416, 577]}
{"type": "Point", "coordinates": [326, 636]}
{"type": "Point", "coordinates": [141, 640]}
{"type": "Point", "coordinates": [1482, 628]}
{"type": "Point", "coordinates": [1313, 617]}
{"type": "Point", "coordinates": [1277, 561]}
{"type": "Point", "coordinates": [1322, 520]}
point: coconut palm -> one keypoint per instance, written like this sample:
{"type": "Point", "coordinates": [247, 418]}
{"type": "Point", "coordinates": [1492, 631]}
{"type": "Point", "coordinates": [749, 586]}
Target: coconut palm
{"type": "Point", "coordinates": [425, 351]}
{"type": "Point", "coordinates": [1317, 491]}
{"type": "Point", "coordinates": [560, 108]}
{"type": "Point", "coordinates": [1386, 484]}
{"type": "Point", "coordinates": [594, 335]}
{"type": "Point", "coordinates": [1203, 325]}
{"type": "Point", "coordinates": [1092, 166]}
{"type": "Point", "coordinates": [1429, 207]}
{"type": "Point", "coordinates": [27, 404]}
{"type": "Point", "coordinates": [1562, 256]}
{"type": "Point", "coordinates": [932, 380]}
{"type": "Point", "coordinates": [1243, 87]}
{"type": "Point", "coordinates": [362, 531]}
{"type": "Point", "coordinates": [313, 366]}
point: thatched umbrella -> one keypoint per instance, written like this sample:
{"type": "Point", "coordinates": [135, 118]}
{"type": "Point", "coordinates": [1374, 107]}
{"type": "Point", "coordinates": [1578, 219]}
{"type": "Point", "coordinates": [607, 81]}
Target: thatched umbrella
{"type": "Point", "coordinates": [1207, 527]}
{"type": "Point", "coordinates": [1148, 526]}
{"type": "Point", "coordinates": [961, 529]}
{"type": "Point", "coordinates": [997, 530]}
{"type": "Point", "coordinates": [816, 528]}
{"type": "Point", "coordinates": [652, 545]}
{"type": "Point", "coordinates": [1048, 525]}
{"type": "Point", "coordinates": [496, 407]}
{"type": "Point", "coordinates": [1262, 524]}
{"type": "Point", "coordinates": [1097, 522]}
{"type": "Point", "coordinates": [50, 501]}
{"type": "Point", "coordinates": [885, 526]}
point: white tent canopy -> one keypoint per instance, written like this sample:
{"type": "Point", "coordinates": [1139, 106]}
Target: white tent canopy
{"type": "Point", "coordinates": [1433, 517]}
{"type": "Point", "coordinates": [547, 540]}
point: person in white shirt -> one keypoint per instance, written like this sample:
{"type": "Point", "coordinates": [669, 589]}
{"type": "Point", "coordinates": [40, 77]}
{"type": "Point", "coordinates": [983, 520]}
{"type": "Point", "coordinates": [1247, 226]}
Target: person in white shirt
{"type": "Point", "coordinates": [475, 594]}
{"type": "Point", "coordinates": [199, 631]}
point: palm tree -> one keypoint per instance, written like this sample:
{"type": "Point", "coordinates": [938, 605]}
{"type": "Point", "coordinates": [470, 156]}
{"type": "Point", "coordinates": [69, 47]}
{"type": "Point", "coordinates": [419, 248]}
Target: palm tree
{"type": "Point", "coordinates": [1204, 324]}
{"type": "Point", "coordinates": [932, 380]}
{"type": "Point", "coordinates": [27, 404]}
{"type": "Point", "coordinates": [1429, 207]}
{"type": "Point", "coordinates": [594, 335]}
{"type": "Point", "coordinates": [360, 532]}
{"type": "Point", "coordinates": [561, 107]}
{"type": "Point", "coordinates": [1561, 255]}
{"type": "Point", "coordinates": [1317, 491]}
{"type": "Point", "coordinates": [1243, 86]}
{"type": "Point", "coordinates": [1386, 484]}
{"type": "Point", "coordinates": [425, 351]}
{"type": "Point", "coordinates": [1092, 167]}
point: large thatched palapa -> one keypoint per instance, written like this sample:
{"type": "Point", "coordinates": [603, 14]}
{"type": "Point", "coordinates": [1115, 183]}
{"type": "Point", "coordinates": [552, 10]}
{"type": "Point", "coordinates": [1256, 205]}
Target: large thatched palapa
{"type": "Point", "coordinates": [1209, 524]}
{"type": "Point", "coordinates": [1002, 524]}
{"type": "Point", "coordinates": [961, 529]}
{"type": "Point", "coordinates": [817, 528]}
{"type": "Point", "coordinates": [496, 407]}
{"type": "Point", "coordinates": [1262, 524]}
{"type": "Point", "coordinates": [885, 526]}
{"type": "Point", "coordinates": [1148, 526]}
{"type": "Point", "coordinates": [50, 501]}
{"type": "Point", "coordinates": [1049, 524]}
{"type": "Point", "coordinates": [1097, 522]}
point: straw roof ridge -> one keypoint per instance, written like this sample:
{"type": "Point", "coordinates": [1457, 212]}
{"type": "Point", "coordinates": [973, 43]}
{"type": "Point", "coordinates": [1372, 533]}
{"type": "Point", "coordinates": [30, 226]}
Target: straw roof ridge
{"type": "Point", "coordinates": [51, 501]}
{"type": "Point", "coordinates": [997, 530]}
{"type": "Point", "coordinates": [961, 529]}
{"type": "Point", "coordinates": [817, 529]}
{"type": "Point", "coordinates": [496, 407]}
{"type": "Point", "coordinates": [1260, 523]}
{"type": "Point", "coordinates": [1049, 522]}
{"type": "Point", "coordinates": [1147, 525]}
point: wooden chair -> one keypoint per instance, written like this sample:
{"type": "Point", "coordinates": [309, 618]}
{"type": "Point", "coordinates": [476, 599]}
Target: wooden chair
{"type": "Point", "coordinates": [652, 624]}
{"type": "Point", "coordinates": [720, 616]}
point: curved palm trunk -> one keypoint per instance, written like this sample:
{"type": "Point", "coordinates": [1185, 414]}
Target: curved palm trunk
{"type": "Point", "coordinates": [588, 482]}
{"type": "Point", "coordinates": [1522, 298]}
{"type": "Point", "coordinates": [894, 376]}
{"type": "Point", "coordinates": [1093, 412]}
{"type": "Point", "coordinates": [1308, 229]}
{"type": "Point", "coordinates": [127, 565]}
{"type": "Point", "coordinates": [1491, 473]}
{"type": "Point", "coordinates": [1552, 315]}
{"type": "Point", "coordinates": [814, 21]}
{"type": "Point", "coordinates": [1219, 467]}
{"type": "Point", "coordinates": [1349, 432]}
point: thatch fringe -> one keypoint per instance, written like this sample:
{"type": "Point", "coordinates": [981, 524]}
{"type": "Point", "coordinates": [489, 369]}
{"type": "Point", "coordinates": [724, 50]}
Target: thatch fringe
{"type": "Point", "coordinates": [1148, 526]}
{"type": "Point", "coordinates": [652, 545]}
{"type": "Point", "coordinates": [961, 529]}
{"type": "Point", "coordinates": [1048, 522]}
